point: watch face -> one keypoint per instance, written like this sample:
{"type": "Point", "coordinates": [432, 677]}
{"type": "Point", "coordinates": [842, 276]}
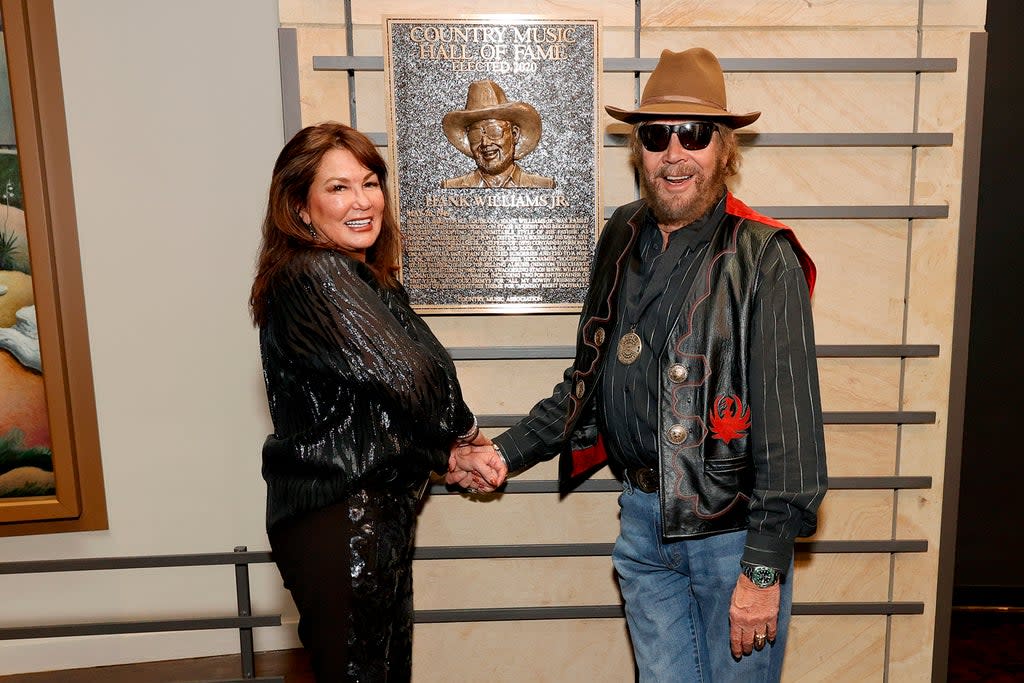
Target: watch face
{"type": "Point", "coordinates": [762, 577]}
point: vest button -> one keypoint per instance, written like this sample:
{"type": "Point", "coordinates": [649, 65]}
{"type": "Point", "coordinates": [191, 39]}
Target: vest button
{"type": "Point", "coordinates": [678, 373]}
{"type": "Point", "coordinates": [599, 336]}
{"type": "Point", "coordinates": [581, 389]}
{"type": "Point", "coordinates": [677, 434]}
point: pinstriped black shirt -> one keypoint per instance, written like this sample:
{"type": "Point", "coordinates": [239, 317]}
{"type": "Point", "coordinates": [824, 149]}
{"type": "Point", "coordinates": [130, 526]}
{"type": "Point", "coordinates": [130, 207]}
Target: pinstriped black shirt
{"type": "Point", "coordinates": [653, 292]}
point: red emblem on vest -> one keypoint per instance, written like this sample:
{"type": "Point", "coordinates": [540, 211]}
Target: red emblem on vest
{"type": "Point", "coordinates": [729, 418]}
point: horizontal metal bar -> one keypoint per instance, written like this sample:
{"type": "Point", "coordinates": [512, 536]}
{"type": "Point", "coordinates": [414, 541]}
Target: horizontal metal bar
{"type": "Point", "coordinates": [729, 64]}
{"type": "Point", "coordinates": [877, 350]}
{"type": "Point", "coordinates": [511, 352]}
{"type": "Point", "coordinates": [888, 482]}
{"type": "Point", "coordinates": [865, 417]}
{"type": "Point", "coordinates": [896, 211]}
{"type": "Point", "coordinates": [540, 551]}
{"type": "Point", "coordinates": [111, 627]}
{"type": "Point", "coordinates": [345, 63]}
{"type": "Point", "coordinates": [902, 417]}
{"type": "Point", "coordinates": [448, 616]}
{"type": "Point", "coordinates": [881, 546]}
{"type": "Point", "coordinates": [823, 139]}
{"type": "Point", "coordinates": [568, 352]}
{"type": "Point", "coordinates": [490, 552]}
{"type": "Point", "coordinates": [857, 608]}
{"type": "Point", "coordinates": [800, 65]}
{"type": "Point", "coordinates": [793, 139]}
{"type": "Point", "coordinates": [842, 212]}
{"type": "Point", "coordinates": [613, 486]}
{"type": "Point", "coordinates": [137, 562]}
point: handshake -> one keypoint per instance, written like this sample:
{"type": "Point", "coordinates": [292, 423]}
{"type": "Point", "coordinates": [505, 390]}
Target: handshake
{"type": "Point", "coordinates": [476, 465]}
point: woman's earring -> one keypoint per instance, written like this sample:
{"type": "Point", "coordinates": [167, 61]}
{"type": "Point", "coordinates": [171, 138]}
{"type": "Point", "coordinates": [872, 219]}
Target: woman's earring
{"type": "Point", "coordinates": [312, 230]}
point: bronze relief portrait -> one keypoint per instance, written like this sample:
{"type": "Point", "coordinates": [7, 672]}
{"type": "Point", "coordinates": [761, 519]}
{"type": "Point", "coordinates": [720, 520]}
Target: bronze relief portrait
{"type": "Point", "coordinates": [496, 134]}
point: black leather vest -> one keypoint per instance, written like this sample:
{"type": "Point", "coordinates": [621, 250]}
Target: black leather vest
{"type": "Point", "coordinates": [705, 460]}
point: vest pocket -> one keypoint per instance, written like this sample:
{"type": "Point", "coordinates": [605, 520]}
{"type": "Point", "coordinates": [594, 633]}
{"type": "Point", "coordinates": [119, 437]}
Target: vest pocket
{"type": "Point", "coordinates": [734, 463]}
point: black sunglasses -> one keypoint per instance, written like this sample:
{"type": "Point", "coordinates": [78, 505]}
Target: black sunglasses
{"type": "Point", "coordinates": [693, 135]}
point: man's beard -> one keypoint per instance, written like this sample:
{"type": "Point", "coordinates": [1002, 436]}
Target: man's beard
{"type": "Point", "coordinates": [676, 211]}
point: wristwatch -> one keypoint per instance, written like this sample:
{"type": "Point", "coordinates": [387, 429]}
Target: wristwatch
{"type": "Point", "coordinates": [761, 576]}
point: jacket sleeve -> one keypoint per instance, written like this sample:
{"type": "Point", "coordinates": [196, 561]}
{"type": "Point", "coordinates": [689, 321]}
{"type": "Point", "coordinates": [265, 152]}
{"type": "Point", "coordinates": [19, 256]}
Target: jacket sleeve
{"type": "Point", "coordinates": [329, 320]}
{"type": "Point", "coordinates": [786, 423]}
{"type": "Point", "coordinates": [541, 434]}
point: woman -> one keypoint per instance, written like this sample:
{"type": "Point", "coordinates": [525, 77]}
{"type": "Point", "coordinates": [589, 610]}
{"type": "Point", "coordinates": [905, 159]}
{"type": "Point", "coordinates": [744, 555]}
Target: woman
{"type": "Point", "coordinates": [364, 400]}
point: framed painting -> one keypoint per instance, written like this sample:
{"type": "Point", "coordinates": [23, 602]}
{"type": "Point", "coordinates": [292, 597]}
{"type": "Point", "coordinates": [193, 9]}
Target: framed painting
{"type": "Point", "coordinates": [50, 474]}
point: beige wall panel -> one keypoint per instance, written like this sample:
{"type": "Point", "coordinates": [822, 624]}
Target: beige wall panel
{"type": "Point", "coordinates": [610, 12]}
{"type": "Point", "coordinates": [860, 450]}
{"type": "Point", "coordinates": [616, 90]}
{"type": "Point", "coordinates": [505, 330]}
{"type": "Point", "coordinates": [508, 387]}
{"type": "Point", "coordinates": [616, 40]}
{"type": "Point", "coordinates": [855, 515]}
{"type": "Point", "coordinates": [537, 651]}
{"type": "Point", "coordinates": [547, 470]}
{"type": "Point", "coordinates": [323, 94]}
{"type": "Point", "coordinates": [371, 109]}
{"type": "Point", "coordinates": [841, 577]}
{"type": "Point", "coordinates": [836, 649]}
{"type": "Point", "coordinates": [464, 584]}
{"type": "Point", "coordinates": [858, 297]}
{"type": "Point", "coordinates": [768, 42]}
{"type": "Point", "coordinates": [859, 383]}
{"type": "Point", "coordinates": [517, 519]}
{"type": "Point", "coordinates": [743, 13]}
{"type": "Point", "coordinates": [825, 102]}
{"type": "Point", "coordinates": [910, 652]}
{"type": "Point", "coordinates": [823, 175]}
{"type": "Point", "coordinates": [617, 184]}
{"type": "Point", "coordinates": [969, 13]}
{"type": "Point", "coordinates": [311, 11]}
{"type": "Point", "coordinates": [368, 40]}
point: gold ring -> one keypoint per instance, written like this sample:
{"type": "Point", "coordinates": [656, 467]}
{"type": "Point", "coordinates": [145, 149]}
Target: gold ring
{"type": "Point", "coordinates": [759, 640]}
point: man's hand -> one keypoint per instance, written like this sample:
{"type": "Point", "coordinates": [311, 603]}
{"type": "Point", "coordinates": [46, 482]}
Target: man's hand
{"type": "Point", "coordinates": [476, 466]}
{"type": "Point", "coordinates": [753, 616]}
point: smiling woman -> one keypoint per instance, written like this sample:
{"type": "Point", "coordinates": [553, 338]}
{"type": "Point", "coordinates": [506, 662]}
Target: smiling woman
{"type": "Point", "coordinates": [345, 204]}
{"type": "Point", "coordinates": [364, 400]}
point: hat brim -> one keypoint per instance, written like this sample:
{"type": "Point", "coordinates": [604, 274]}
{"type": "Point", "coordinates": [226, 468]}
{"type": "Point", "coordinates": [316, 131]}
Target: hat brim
{"type": "Point", "coordinates": [648, 112]}
{"type": "Point", "coordinates": [519, 113]}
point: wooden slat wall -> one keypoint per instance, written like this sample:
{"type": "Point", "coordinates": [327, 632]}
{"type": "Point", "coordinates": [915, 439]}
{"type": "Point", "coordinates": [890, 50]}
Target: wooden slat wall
{"type": "Point", "coordinates": [883, 311]}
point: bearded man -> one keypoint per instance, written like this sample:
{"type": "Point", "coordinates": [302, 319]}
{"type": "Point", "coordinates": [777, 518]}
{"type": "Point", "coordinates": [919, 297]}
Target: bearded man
{"type": "Point", "coordinates": [696, 379]}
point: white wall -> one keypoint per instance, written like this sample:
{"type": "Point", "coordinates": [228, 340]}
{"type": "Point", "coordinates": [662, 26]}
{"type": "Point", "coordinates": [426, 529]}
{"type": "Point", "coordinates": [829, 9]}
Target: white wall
{"type": "Point", "coordinates": [174, 122]}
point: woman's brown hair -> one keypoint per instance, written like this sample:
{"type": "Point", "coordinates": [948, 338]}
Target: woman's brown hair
{"type": "Point", "coordinates": [284, 233]}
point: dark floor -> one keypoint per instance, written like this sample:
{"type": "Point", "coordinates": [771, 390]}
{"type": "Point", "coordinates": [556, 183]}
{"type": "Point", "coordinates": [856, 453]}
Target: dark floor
{"type": "Point", "coordinates": [984, 646]}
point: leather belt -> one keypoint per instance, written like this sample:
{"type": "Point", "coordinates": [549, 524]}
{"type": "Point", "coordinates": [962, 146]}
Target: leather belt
{"type": "Point", "coordinates": [643, 478]}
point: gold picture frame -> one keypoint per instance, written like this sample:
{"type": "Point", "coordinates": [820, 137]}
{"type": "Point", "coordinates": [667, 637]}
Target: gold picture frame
{"type": "Point", "coordinates": [37, 103]}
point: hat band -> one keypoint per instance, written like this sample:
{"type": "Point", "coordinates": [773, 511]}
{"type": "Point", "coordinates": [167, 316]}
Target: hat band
{"type": "Point", "coordinates": [681, 98]}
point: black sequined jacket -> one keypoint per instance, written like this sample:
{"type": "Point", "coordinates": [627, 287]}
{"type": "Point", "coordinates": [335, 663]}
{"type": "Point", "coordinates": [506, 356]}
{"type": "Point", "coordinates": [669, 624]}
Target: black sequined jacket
{"type": "Point", "coordinates": [360, 390]}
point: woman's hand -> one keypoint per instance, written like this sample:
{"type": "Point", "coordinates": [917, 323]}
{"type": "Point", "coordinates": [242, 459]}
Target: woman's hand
{"type": "Point", "coordinates": [476, 466]}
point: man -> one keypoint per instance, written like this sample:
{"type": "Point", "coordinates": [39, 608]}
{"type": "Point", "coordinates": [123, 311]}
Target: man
{"type": "Point", "coordinates": [495, 133]}
{"type": "Point", "coordinates": [695, 376]}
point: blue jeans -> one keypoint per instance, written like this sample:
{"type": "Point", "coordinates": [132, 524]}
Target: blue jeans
{"type": "Point", "coordinates": [677, 596]}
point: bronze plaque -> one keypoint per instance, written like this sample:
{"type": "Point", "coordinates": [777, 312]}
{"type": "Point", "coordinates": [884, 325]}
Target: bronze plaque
{"type": "Point", "coordinates": [495, 148]}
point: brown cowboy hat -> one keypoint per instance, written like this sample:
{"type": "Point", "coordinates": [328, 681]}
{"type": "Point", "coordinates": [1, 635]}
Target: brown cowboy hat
{"type": "Point", "coordinates": [486, 100]}
{"type": "Point", "coordinates": [685, 84]}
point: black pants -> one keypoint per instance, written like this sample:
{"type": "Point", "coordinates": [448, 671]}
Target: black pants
{"type": "Point", "coordinates": [349, 570]}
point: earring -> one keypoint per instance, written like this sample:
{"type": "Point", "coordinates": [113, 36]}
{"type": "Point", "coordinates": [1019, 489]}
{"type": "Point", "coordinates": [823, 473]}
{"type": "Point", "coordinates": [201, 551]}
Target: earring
{"type": "Point", "coordinates": [312, 230]}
